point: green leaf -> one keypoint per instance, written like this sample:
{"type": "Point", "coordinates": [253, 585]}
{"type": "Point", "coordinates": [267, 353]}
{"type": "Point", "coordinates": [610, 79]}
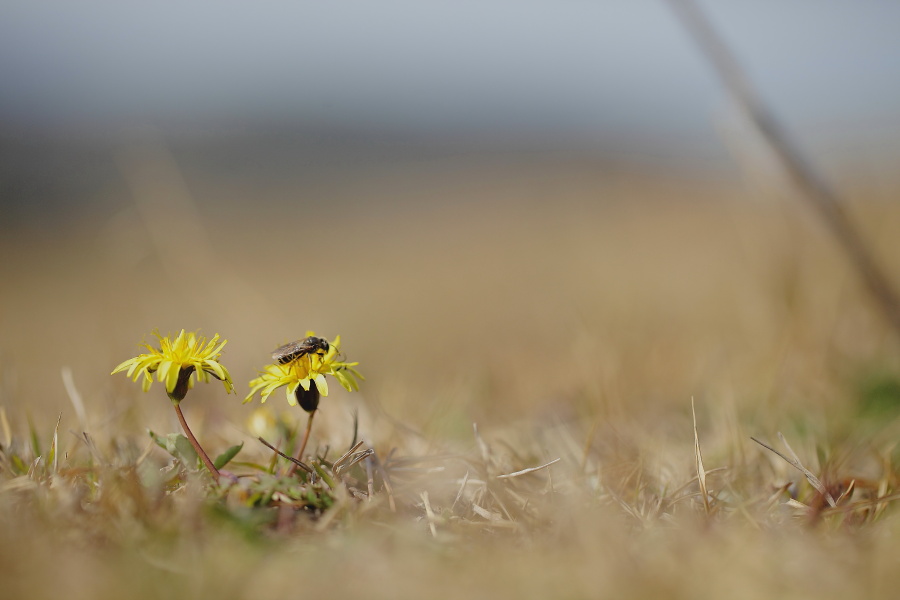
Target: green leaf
{"type": "Point", "coordinates": [35, 441]}
{"type": "Point", "coordinates": [325, 476]}
{"type": "Point", "coordinates": [224, 458]}
{"type": "Point", "coordinates": [178, 446]}
{"type": "Point", "coordinates": [19, 464]}
{"type": "Point", "coordinates": [160, 441]}
{"type": "Point", "coordinates": [250, 465]}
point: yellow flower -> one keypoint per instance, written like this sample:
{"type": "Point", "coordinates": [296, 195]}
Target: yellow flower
{"type": "Point", "coordinates": [176, 360]}
{"type": "Point", "coordinates": [302, 373]}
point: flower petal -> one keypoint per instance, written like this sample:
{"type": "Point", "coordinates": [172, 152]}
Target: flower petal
{"type": "Point", "coordinates": [148, 380]}
{"type": "Point", "coordinates": [172, 377]}
{"type": "Point", "coordinates": [124, 365]}
{"type": "Point", "coordinates": [215, 368]}
{"type": "Point", "coordinates": [322, 384]}
{"type": "Point", "coordinates": [344, 380]}
{"type": "Point", "coordinates": [291, 398]}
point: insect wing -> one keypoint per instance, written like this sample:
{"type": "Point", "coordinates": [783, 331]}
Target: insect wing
{"type": "Point", "coordinates": [288, 352]}
{"type": "Point", "coordinates": [294, 350]}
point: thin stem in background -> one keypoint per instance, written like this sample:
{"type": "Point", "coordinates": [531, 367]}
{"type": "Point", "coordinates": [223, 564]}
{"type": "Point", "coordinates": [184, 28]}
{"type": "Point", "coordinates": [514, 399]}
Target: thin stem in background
{"type": "Point", "coordinates": [300, 452]}
{"type": "Point", "coordinates": [821, 196]}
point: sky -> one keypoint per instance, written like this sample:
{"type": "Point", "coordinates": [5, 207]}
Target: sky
{"type": "Point", "coordinates": [584, 70]}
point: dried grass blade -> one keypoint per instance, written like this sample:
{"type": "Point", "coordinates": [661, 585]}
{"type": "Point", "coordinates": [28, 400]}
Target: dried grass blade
{"type": "Point", "coordinates": [370, 478]}
{"type": "Point", "coordinates": [7, 431]}
{"type": "Point", "coordinates": [677, 492]}
{"type": "Point", "coordinates": [797, 504]}
{"type": "Point", "coordinates": [790, 451]}
{"type": "Point", "coordinates": [813, 480]}
{"type": "Point", "coordinates": [876, 502]}
{"type": "Point", "coordinates": [701, 472]}
{"type": "Point", "coordinates": [95, 452]}
{"type": "Point", "coordinates": [459, 494]}
{"type": "Point", "coordinates": [54, 447]}
{"type": "Point", "coordinates": [847, 492]}
{"type": "Point", "coordinates": [337, 464]}
{"type": "Point", "coordinates": [300, 464]}
{"type": "Point", "coordinates": [486, 514]}
{"type": "Point", "coordinates": [74, 396]}
{"type": "Point", "coordinates": [354, 460]}
{"type": "Point", "coordinates": [482, 446]}
{"type": "Point", "coordinates": [429, 514]}
{"type": "Point", "coordinates": [809, 475]}
{"type": "Point", "coordinates": [355, 427]}
{"type": "Point", "coordinates": [529, 470]}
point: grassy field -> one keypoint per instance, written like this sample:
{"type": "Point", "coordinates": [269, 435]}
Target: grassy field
{"type": "Point", "coordinates": [505, 316]}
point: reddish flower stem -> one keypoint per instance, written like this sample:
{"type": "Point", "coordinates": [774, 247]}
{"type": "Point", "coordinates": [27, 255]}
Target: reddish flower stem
{"type": "Point", "coordinates": [190, 436]}
{"type": "Point", "coordinates": [300, 452]}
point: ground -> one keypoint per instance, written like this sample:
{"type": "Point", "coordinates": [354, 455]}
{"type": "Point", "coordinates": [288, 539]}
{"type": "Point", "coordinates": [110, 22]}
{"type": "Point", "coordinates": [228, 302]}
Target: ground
{"type": "Point", "coordinates": [505, 316]}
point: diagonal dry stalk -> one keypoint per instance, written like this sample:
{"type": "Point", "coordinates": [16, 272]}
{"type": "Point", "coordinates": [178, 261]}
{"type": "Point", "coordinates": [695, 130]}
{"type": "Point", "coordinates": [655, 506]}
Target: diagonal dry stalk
{"type": "Point", "coordinates": [822, 197]}
{"type": "Point", "coordinates": [300, 464]}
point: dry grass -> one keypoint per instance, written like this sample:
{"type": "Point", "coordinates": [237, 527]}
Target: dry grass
{"type": "Point", "coordinates": [571, 314]}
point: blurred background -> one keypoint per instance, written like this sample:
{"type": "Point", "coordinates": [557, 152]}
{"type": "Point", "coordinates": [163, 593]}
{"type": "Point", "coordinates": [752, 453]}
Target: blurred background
{"type": "Point", "coordinates": [507, 209]}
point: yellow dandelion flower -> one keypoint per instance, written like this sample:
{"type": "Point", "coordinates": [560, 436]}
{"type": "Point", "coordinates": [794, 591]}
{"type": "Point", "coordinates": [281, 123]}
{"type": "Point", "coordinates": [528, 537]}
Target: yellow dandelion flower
{"type": "Point", "coordinates": [175, 361]}
{"type": "Point", "coordinates": [304, 377]}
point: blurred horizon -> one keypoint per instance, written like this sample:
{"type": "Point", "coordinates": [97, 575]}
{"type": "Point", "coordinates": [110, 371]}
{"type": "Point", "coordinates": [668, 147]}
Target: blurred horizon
{"type": "Point", "coordinates": [307, 87]}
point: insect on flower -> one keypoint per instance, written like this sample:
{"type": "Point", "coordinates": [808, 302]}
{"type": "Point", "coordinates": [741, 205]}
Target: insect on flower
{"type": "Point", "coordinates": [290, 352]}
{"type": "Point", "coordinates": [304, 379]}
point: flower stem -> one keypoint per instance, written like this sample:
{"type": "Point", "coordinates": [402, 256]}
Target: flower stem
{"type": "Point", "coordinates": [203, 455]}
{"type": "Point", "coordinates": [300, 452]}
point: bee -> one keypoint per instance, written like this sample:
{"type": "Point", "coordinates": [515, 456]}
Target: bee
{"type": "Point", "coordinates": [291, 352]}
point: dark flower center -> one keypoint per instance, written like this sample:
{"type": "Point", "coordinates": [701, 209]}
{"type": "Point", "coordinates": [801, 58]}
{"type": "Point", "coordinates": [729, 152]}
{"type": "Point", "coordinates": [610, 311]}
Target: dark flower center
{"type": "Point", "coordinates": [181, 386]}
{"type": "Point", "coordinates": [308, 400]}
